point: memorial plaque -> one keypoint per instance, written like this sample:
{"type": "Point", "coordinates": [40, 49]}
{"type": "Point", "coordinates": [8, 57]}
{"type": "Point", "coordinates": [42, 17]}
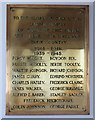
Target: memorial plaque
{"type": "Point", "coordinates": [47, 70]}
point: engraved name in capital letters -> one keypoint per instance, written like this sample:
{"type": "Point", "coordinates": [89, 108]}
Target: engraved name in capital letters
{"type": "Point", "coordinates": [47, 60]}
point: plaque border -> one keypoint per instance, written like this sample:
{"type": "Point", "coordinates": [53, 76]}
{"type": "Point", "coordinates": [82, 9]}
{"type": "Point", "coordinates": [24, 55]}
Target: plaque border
{"type": "Point", "coordinates": [86, 56]}
{"type": "Point", "coordinates": [3, 61]}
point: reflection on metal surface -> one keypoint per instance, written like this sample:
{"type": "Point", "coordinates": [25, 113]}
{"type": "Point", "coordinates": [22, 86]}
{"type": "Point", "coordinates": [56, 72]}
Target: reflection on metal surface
{"type": "Point", "coordinates": [47, 60]}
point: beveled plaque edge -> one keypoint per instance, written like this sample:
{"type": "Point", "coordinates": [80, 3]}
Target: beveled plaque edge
{"type": "Point", "coordinates": [87, 48]}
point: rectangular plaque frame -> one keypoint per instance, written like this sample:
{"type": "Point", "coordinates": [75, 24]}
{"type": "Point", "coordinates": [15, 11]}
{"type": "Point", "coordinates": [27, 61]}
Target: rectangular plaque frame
{"type": "Point", "coordinates": [72, 45]}
{"type": "Point", "coordinates": [91, 116]}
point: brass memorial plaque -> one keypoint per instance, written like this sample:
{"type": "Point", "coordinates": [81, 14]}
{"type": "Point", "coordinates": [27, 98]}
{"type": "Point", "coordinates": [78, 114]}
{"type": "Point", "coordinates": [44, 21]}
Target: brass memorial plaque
{"type": "Point", "coordinates": [47, 68]}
